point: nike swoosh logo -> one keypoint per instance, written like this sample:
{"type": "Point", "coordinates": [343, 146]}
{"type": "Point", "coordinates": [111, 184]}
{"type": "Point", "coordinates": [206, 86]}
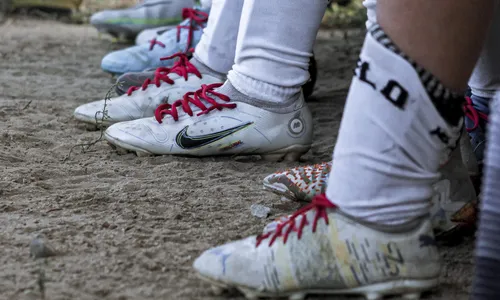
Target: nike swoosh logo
{"type": "Point", "coordinates": [185, 141]}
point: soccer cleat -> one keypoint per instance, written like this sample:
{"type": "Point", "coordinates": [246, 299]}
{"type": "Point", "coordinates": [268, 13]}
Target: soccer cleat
{"type": "Point", "coordinates": [145, 36]}
{"type": "Point", "coordinates": [453, 192]}
{"type": "Point", "coordinates": [319, 250]}
{"type": "Point", "coordinates": [142, 101]}
{"type": "Point", "coordinates": [128, 80]}
{"type": "Point", "coordinates": [208, 123]}
{"type": "Point", "coordinates": [146, 56]}
{"type": "Point", "coordinates": [299, 183]}
{"type": "Point", "coordinates": [148, 14]}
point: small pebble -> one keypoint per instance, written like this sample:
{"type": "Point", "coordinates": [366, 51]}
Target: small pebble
{"type": "Point", "coordinates": [40, 249]}
{"type": "Point", "coordinates": [260, 211]}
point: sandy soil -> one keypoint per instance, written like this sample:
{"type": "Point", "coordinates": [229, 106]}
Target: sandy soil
{"type": "Point", "coordinates": [128, 227]}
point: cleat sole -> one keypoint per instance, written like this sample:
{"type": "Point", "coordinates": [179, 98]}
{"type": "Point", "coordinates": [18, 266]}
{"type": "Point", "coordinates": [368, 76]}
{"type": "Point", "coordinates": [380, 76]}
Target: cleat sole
{"type": "Point", "coordinates": [406, 289]}
{"type": "Point", "coordinates": [290, 152]}
{"type": "Point", "coordinates": [412, 296]}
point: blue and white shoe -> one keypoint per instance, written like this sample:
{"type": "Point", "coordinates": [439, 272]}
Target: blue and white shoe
{"type": "Point", "coordinates": [127, 23]}
{"type": "Point", "coordinates": [186, 35]}
{"type": "Point", "coordinates": [476, 119]}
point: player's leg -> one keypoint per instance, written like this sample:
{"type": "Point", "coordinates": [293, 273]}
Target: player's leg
{"type": "Point", "coordinates": [371, 233]}
{"type": "Point", "coordinates": [454, 193]}
{"type": "Point", "coordinates": [216, 49]}
{"type": "Point", "coordinates": [272, 57]}
{"type": "Point", "coordinates": [400, 157]}
{"type": "Point", "coordinates": [484, 82]}
{"type": "Point", "coordinates": [485, 284]}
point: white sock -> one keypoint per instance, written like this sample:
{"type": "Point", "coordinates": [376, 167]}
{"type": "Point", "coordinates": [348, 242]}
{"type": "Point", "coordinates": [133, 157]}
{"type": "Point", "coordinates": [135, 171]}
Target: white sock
{"type": "Point", "coordinates": [371, 12]}
{"type": "Point", "coordinates": [485, 79]}
{"type": "Point", "coordinates": [206, 3]}
{"type": "Point", "coordinates": [217, 46]}
{"type": "Point", "coordinates": [275, 42]}
{"type": "Point", "coordinates": [393, 136]}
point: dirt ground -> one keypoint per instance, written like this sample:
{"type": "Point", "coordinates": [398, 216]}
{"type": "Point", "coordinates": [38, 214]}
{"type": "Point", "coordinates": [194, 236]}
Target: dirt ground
{"type": "Point", "coordinates": [126, 227]}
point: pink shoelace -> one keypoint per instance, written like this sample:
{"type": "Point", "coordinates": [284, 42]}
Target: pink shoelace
{"type": "Point", "coordinates": [196, 99]}
{"type": "Point", "coordinates": [320, 203]}
{"type": "Point", "coordinates": [182, 67]}
{"type": "Point", "coordinates": [198, 18]}
{"type": "Point", "coordinates": [473, 114]}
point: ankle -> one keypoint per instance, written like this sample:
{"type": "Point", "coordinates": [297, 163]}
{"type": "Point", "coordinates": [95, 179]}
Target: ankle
{"type": "Point", "coordinates": [204, 69]}
{"type": "Point", "coordinates": [261, 90]}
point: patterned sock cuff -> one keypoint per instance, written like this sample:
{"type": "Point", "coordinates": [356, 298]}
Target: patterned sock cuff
{"type": "Point", "coordinates": [448, 104]}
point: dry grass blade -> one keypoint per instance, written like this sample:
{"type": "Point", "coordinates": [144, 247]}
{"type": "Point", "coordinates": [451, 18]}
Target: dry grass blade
{"type": "Point", "coordinates": [99, 123]}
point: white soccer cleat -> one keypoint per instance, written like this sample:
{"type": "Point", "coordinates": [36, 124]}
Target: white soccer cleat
{"type": "Point", "coordinates": [140, 102]}
{"type": "Point", "coordinates": [322, 251]}
{"type": "Point", "coordinates": [207, 123]}
{"type": "Point", "coordinates": [147, 14]}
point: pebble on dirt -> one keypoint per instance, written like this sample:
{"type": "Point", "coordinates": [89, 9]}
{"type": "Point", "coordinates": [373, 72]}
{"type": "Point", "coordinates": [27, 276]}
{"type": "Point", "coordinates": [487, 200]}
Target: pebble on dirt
{"type": "Point", "coordinates": [40, 249]}
{"type": "Point", "coordinates": [260, 211]}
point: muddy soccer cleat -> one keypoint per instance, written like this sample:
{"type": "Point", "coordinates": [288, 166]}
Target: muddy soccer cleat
{"type": "Point", "coordinates": [181, 39]}
{"type": "Point", "coordinates": [145, 36]}
{"type": "Point", "coordinates": [454, 192]}
{"type": "Point", "coordinates": [127, 23]}
{"type": "Point", "coordinates": [319, 250]}
{"type": "Point", "coordinates": [208, 122]}
{"type": "Point", "coordinates": [128, 80]}
{"type": "Point", "coordinates": [142, 101]}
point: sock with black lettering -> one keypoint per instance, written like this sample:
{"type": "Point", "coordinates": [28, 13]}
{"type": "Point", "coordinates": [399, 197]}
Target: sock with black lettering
{"type": "Point", "coordinates": [399, 124]}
